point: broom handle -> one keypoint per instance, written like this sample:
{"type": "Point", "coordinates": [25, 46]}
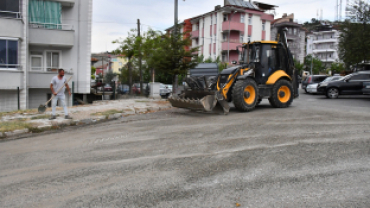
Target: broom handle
{"type": "Point", "coordinates": [58, 90]}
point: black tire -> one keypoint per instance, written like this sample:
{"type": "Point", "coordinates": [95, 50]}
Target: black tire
{"type": "Point", "coordinates": [332, 93]}
{"type": "Point", "coordinates": [241, 102]}
{"type": "Point", "coordinates": [282, 94]}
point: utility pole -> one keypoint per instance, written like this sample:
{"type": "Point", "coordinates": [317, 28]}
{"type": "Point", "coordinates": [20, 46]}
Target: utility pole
{"type": "Point", "coordinates": [311, 63]}
{"type": "Point", "coordinates": [175, 80]}
{"type": "Point", "coordinates": [141, 73]}
{"type": "Point", "coordinates": [102, 75]}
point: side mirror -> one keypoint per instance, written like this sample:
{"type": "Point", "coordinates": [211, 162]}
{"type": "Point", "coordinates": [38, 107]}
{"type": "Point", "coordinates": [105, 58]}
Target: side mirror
{"type": "Point", "coordinates": [234, 62]}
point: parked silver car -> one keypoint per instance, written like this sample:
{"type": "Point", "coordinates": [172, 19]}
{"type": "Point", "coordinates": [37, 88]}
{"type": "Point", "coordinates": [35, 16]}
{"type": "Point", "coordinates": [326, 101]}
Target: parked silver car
{"type": "Point", "coordinates": [164, 91]}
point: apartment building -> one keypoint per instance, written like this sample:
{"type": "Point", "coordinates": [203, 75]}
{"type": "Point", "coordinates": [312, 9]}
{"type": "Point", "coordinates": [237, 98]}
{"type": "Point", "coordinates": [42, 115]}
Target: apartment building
{"type": "Point", "coordinates": [218, 33]}
{"type": "Point", "coordinates": [295, 35]}
{"type": "Point", "coordinates": [37, 37]}
{"type": "Point", "coordinates": [323, 44]}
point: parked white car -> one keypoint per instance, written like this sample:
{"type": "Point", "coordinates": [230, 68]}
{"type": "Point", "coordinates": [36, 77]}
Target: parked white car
{"type": "Point", "coordinates": [164, 91]}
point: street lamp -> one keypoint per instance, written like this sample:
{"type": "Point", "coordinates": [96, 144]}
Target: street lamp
{"type": "Point", "coordinates": [228, 41]}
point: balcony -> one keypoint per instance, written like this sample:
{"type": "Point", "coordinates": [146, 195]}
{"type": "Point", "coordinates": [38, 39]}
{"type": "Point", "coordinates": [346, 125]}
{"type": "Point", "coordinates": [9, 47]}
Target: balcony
{"type": "Point", "coordinates": [66, 2]}
{"type": "Point", "coordinates": [326, 60]}
{"type": "Point", "coordinates": [324, 50]}
{"type": "Point", "coordinates": [11, 79]}
{"type": "Point", "coordinates": [11, 27]}
{"type": "Point", "coordinates": [232, 45]}
{"type": "Point", "coordinates": [52, 35]}
{"type": "Point", "coordinates": [10, 14]}
{"type": "Point", "coordinates": [195, 34]}
{"type": "Point", "coordinates": [328, 40]}
{"type": "Point", "coordinates": [233, 26]}
{"type": "Point", "coordinates": [42, 79]}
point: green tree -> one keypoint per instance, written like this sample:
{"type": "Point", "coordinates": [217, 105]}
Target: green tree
{"type": "Point", "coordinates": [130, 47]}
{"type": "Point", "coordinates": [299, 66]}
{"type": "Point", "coordinates": [109, 76]}
{"type": "Point", "coordinates": [170, 55]}
{"type": "Point", "coordinates": [317, 65]}
{"type": "Point", "coordinates": [93, 70]}
{"type": "Point", "coordinates": [354, 41]}
{"type": "Point", "coordinates": [336, 68]}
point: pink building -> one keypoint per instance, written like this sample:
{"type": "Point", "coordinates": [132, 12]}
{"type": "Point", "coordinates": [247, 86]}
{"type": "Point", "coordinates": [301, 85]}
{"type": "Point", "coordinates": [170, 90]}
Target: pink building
{"type": "Point", "coordinates": [225, 28]}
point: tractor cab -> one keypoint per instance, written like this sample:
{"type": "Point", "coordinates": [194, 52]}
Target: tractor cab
{"type": "Point", "coordinates": [266, 57]}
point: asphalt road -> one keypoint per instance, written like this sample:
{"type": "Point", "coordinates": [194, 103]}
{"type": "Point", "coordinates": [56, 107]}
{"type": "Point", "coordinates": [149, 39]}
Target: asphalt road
{"type": "Point", "coordinates": [314, 154]}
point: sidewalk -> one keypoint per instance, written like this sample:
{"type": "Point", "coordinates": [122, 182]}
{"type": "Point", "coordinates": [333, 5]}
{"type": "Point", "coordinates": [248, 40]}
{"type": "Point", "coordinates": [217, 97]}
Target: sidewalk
{"type": "Point", "coordinates": [16, 123]}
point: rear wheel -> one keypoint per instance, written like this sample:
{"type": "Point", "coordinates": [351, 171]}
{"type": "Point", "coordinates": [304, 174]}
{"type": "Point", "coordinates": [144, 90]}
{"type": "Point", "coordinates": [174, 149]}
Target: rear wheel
{"type": "Point", "coordinates": [282, 94]}
{"type": "Point", "coordinates": [245, 95]}
{"type": "Point", "coordinates": [332, 93]}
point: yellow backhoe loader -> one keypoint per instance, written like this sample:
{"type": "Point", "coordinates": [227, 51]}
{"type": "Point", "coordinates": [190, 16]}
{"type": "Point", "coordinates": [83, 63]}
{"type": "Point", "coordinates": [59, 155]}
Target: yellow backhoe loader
{"type": "Point", "coordinates": [265, 71]}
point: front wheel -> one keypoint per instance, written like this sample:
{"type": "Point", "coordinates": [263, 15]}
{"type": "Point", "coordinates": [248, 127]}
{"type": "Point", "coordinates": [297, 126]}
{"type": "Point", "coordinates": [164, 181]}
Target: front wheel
{"type": "Point", "coordinates": [282, 94]}
{"type": "Point", "coordinates": [332, 93]}
{"type": "Point", "coordinates": [245, 94]}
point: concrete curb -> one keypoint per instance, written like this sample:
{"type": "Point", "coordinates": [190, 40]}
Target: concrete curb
{"type": "Point", "coordinates": [64, 122]}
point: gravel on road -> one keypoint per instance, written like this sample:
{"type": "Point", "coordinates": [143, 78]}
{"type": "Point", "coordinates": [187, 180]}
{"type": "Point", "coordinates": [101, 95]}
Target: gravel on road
{"type": "Point", "coordinates": [314, 154]}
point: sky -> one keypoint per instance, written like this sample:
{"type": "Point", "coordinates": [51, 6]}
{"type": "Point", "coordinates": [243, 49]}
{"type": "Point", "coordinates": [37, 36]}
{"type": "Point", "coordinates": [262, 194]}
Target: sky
{"type": "Point", "coordinates": [113, 19]}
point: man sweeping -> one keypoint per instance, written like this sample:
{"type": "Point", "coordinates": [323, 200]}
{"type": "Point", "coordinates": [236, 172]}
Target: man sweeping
{"type": "Point", "coordinates": [56, 83]}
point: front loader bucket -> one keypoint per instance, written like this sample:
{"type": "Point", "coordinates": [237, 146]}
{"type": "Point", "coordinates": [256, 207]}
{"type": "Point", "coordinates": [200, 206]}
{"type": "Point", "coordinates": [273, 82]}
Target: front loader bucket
{"type": "Point", "coordinates": [200, 96]}
{"type": "Point", "coordinates": [208, 103]}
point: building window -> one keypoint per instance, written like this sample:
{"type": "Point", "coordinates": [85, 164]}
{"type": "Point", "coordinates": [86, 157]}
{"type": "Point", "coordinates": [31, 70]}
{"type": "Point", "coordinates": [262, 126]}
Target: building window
{"type": "Point", "coordinates": [45, 14]}
{"type": "Point", "coordinates": [295, 31]}
{"type": "Point", "coordinates": [241, 38]}
{"type": "Point", "coordinates": [242, 18]}
{"type": "Point", "coordinates": [120, 64]}
{"type": "Point", "coordinates": [8, 54]}
{"type": "Point", "coordinates": [52, 60]}
{"type": "Point", "coordinates": [225, 17]}
{"type": "Point", "coordinates": [249, 38]}
{"type": "Point", "coordinates": [250, 20]}
{"type": "Point", "coordinates": [9, 8]}
{"type": "Point", "coordinates": [224, 37]}
{"type": "Point", "coordinates": [263, 26]}
{"type": "Point", "coordinates": [36, 62]}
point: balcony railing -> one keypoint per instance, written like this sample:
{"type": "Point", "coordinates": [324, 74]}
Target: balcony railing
{"type": "Point", "coordinates": [10, 66]}
{"type": "Point", "coordinates": [226, 45]}
{"type": "Point", "coordinates": [233, 26]}
{"type": "Point", "coordinates": [51, 26]}
{"type": "Point", "coordinates": [9, 14]}
{"type": "Point", "coordinates": [321, 40]}
{"type": "Point", "coordinates": [195, 34]}
{"type": "Point", "coordinates": [232, 41]}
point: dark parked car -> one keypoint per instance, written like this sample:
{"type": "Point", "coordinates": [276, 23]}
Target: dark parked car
{"type": "Point", "coordinates": [351, 84]}
{"type": "Point", "coordinates": [107, 87]}
{"type": "Point", "coordinates": [328, 79]}
{"type": "Point", "coordinates": [311, 79]}
{"type": "Point", "coordinates": [366, 88]}
{"type": "Point", "coordinates": [136, 87]}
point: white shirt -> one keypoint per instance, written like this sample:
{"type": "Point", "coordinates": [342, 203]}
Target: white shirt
{"type": "Point", "coordinates": [58, 83]}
